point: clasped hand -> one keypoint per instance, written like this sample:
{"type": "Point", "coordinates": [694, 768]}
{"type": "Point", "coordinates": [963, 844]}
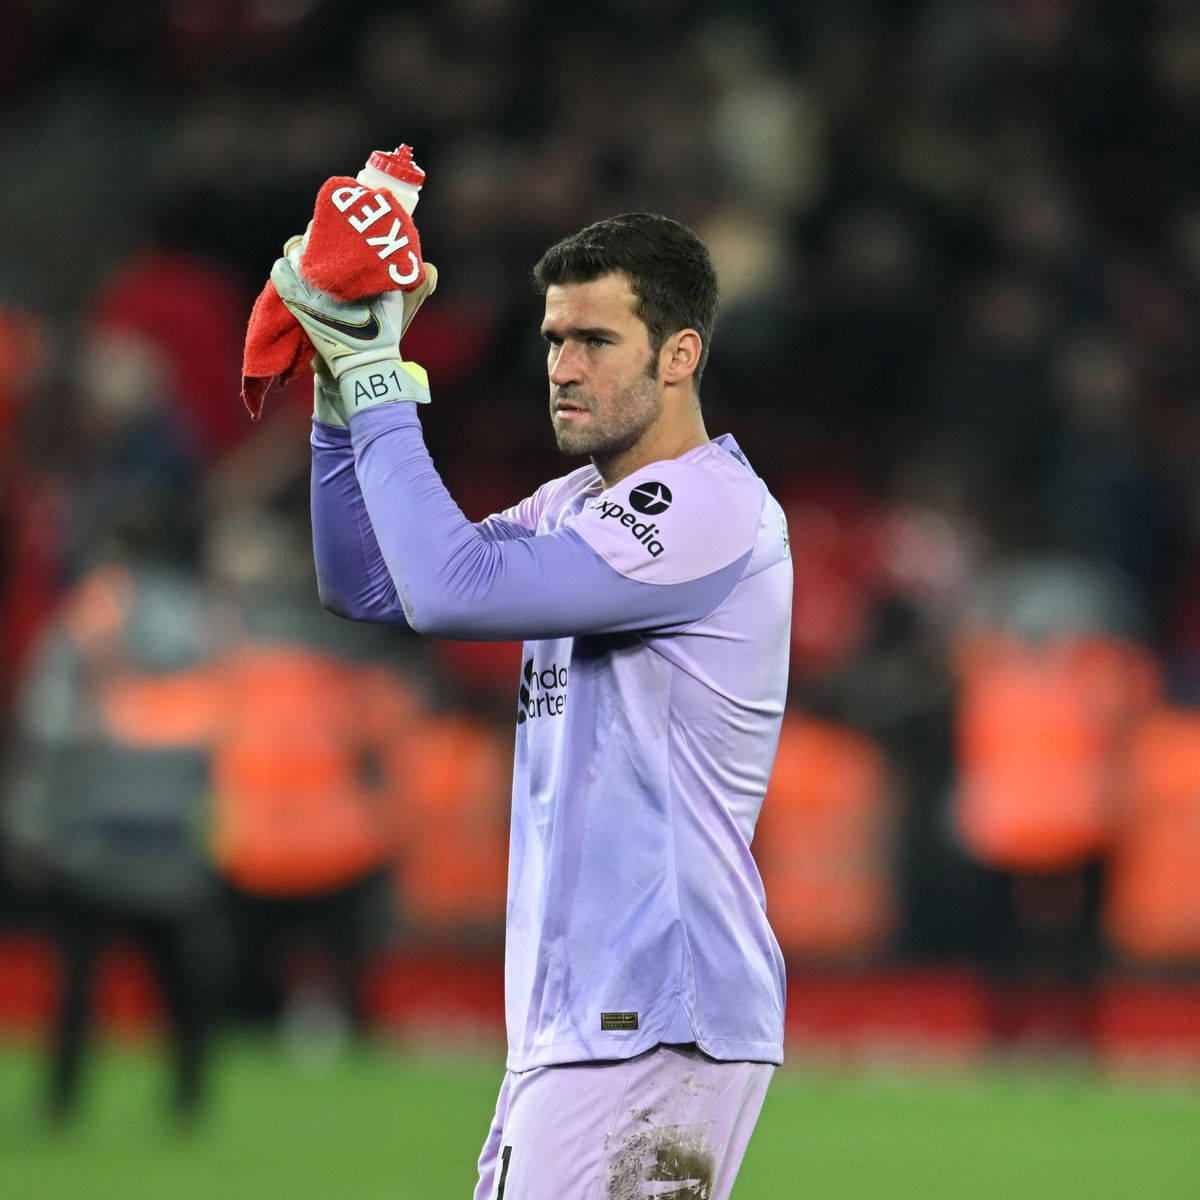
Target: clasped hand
{"type": "Point", "coordinates": [358, 363]}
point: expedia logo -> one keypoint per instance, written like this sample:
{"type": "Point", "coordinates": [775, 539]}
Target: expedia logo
{"type": "Point", "coordinates": [648, 498]}
{"type": "Point", "coordinates": [651, 498]}
{"type": "Point", "coordinates": [543, 693]}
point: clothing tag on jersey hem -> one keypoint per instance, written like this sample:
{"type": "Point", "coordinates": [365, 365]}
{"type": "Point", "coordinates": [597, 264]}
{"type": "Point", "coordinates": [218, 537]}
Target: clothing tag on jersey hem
{"type": "Point", "coordinates": [618, 1020]}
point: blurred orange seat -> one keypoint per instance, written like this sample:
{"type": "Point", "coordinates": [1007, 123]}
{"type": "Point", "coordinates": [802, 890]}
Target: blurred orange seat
{"type": "Point", "coordinates": [298, 739]}
{"type": "Point", "coordinates": [1039, 733]}
{"type": "Point", "coordinates": [453, 807]}
{"type": "Point", "coordinates": [823, 843]}
{"type": "Point", "coordinates": [1152, 910]}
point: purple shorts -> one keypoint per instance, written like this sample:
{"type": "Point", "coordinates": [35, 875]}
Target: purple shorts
{"type": "Point", "coordinates": [671, 1122]}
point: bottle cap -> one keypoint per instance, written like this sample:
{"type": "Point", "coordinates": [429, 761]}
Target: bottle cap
{"type": "Point", "coordinates": [398, 164]}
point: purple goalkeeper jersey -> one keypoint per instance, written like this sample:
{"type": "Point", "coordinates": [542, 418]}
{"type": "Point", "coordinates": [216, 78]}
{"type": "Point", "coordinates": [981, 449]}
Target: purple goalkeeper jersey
{"type": "Point", "coordinates": [656, 620]}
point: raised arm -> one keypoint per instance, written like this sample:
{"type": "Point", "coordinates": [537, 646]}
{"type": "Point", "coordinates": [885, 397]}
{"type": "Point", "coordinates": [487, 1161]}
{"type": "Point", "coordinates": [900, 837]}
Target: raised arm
{"type": "Point", "coordinates": [352, 577]}
{"type": "Point", "coordinates": [454, 582]}
{"type": "Point", "coordinates": [400, 545]}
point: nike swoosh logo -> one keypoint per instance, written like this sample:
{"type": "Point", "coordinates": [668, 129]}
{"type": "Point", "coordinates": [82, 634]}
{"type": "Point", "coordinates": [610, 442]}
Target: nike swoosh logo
{"type": "Point", "coordinates": [367, 331]}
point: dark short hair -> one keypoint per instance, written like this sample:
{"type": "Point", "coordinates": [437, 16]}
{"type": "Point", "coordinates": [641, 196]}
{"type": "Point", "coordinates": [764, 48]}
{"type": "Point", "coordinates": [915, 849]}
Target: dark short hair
{"type": "Point", "coordinates": [667, 265]}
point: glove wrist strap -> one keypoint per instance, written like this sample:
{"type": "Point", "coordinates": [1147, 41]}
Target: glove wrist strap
{"type": "Point", "coordinates": [383, 382]}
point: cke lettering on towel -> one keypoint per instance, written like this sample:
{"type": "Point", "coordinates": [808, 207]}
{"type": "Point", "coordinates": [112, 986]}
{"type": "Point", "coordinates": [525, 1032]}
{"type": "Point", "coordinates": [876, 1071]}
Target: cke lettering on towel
{"type": "Point", "coordinates": [380, 205]}
{"type": "Point", "coordinates": [361, 242]}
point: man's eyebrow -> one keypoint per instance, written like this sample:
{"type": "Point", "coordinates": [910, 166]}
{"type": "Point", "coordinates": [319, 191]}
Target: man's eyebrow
{"type": "Point", "coordinates": [579, 332]}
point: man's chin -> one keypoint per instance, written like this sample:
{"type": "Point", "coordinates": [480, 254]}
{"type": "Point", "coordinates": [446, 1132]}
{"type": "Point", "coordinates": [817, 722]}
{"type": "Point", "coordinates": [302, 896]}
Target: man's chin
{"type": "Point", "coordinates": [571, 442]}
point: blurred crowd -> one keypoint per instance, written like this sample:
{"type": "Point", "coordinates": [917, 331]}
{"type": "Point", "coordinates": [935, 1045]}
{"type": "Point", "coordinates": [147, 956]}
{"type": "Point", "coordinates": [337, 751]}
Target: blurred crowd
{"type": "Point", "coordinates": [959, 250]}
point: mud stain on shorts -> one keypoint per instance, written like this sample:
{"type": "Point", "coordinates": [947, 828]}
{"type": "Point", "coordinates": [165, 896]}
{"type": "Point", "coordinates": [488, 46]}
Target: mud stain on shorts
{"type": "Point", "coordinates": [671, 1163]}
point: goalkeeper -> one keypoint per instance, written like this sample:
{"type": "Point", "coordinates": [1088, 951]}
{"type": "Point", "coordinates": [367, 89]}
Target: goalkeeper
{"type": "Point", "coordinates": [644, 988]}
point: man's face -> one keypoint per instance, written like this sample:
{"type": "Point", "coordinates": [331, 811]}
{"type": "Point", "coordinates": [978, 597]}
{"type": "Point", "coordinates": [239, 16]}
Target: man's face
{"type": "Point", "coordinates": [604, 390]}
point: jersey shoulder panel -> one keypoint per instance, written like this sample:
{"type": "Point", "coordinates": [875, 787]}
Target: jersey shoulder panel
{"type": "Point", "coordinates": [676, 520]}
{"type": "Point", "coordinates": [551, 498]}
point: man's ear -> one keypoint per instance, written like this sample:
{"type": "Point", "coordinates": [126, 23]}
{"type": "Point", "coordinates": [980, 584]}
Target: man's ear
{"type": "Point", "coordinates": [680, 356]}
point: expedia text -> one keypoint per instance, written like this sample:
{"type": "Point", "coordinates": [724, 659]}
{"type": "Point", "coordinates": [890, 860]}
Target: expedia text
{"type": "Point", "coordinates": [646, 532]}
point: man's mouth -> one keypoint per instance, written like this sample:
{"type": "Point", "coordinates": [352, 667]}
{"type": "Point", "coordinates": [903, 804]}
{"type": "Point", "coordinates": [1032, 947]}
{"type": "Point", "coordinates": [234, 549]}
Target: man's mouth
{"type": "Point", "coordinates": [567, 407]}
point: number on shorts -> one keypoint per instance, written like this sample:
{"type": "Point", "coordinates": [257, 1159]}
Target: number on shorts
{"type": "Point", "coordinates": [505, 1155]}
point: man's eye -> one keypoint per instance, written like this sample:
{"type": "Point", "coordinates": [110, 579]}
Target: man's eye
{"type": "Point", "coordinates": [595, 342]}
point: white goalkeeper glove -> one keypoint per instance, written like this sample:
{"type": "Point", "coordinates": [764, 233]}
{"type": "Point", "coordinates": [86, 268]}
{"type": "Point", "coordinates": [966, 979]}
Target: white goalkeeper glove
{"type": "Point", "coordinates": [357, 342]}
{"type": "Point", "coordinates": [327, 400]}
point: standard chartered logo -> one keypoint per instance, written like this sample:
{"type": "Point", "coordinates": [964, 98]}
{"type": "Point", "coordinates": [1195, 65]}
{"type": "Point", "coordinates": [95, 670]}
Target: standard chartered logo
{"type": "Point", "coordinates": [543, 691]}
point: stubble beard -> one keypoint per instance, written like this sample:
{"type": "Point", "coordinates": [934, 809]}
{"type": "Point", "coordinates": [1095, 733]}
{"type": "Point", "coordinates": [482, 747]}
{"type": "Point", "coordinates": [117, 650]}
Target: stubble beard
{"type": "Point", "coordinates": [630, 413]}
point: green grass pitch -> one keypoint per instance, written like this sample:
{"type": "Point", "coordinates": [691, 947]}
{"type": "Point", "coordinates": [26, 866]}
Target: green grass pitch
{"type": "Point", "coordinates": [382, 1124]}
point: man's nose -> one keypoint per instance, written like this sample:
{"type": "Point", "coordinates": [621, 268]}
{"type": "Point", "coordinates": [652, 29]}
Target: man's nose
{"type": "Point", "coordinates": [565, 365]}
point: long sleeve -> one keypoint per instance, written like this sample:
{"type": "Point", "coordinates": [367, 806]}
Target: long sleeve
{"type": "Point", "coordinates": [352, 577]}
{"type": "Point", "coordinates": [452, 580]}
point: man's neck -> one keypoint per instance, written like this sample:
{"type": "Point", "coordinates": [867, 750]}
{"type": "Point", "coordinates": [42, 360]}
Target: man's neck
{"type": "Point", "coordinates": [659, 444]}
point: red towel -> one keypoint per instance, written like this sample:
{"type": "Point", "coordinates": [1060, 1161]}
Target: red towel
{"type": "Point", "coordinates": [360, 243]}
